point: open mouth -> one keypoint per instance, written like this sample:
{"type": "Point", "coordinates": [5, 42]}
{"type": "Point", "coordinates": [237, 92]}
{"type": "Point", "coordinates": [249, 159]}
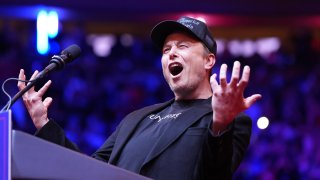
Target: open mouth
{"type": "Point", "coordinates": [175, 68]}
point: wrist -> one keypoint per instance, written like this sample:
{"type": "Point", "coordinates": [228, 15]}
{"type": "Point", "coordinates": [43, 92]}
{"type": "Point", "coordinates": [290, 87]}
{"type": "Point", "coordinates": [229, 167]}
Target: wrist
{"type": "Point", "coordinates": [218, 127]}
{"type": "Point", "coordinates": [219, 123]}
{"type": "Point", "coordinates": [41, 123]}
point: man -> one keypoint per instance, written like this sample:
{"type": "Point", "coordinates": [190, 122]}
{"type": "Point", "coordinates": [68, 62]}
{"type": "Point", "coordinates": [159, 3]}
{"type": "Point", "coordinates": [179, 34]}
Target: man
{"type": "Point", "coordinates": [200, 134]}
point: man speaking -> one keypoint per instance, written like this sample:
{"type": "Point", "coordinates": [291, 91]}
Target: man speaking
{"type": "Point", "coordinates": [200, 134]}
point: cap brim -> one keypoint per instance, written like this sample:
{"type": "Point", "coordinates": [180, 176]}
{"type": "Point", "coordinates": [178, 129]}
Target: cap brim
{"type": "Point", "coordinates": [160, 32]}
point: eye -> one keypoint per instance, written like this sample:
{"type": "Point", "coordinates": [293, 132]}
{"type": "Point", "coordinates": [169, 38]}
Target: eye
{"type": "Point", "coordinates": [183, 46]}
{"type": "Point", "coordinates": [165, 50]}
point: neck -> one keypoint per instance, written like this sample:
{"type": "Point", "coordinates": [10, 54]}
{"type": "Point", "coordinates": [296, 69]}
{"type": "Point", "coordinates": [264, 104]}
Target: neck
{"type": "Point", "coordinates": [199, 93]}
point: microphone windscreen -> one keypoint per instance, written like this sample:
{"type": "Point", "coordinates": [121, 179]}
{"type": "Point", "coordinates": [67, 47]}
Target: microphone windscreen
{"type": "Point", "coordinates": [72, 52]}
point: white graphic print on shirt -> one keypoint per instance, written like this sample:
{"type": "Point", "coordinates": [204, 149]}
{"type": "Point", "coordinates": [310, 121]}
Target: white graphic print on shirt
{"type": "Point", "coordinates": [169, 116]}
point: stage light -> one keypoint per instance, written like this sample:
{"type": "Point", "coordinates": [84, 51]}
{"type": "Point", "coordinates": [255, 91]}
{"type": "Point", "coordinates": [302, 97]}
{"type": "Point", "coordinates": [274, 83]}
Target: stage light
{"type": "Point", "coordinates": [53, 24]}
{"type": "Point", "coordinates": [47, 27]}
{"type": "Point", "coordinates": [102, 44]}
{"type": "Point", "coordinates": [42, 37]}
{"type": "Point", "coordinates": [266, 46]}
{"type": "Point", "coordinates": [235, 47]}
{"type": "Point", "coordinates": [248, 48]}
{"type": "Point", "coordinates": [263, 122]}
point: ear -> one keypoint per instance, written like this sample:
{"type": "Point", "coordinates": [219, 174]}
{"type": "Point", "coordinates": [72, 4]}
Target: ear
{"type": "Point", "coordinates": [210, 61]}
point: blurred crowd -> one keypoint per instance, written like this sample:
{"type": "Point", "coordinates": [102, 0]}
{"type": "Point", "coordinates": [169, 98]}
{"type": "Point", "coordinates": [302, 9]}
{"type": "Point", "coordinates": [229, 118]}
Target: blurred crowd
{"type": "Point", "coordinates": [92, 94]}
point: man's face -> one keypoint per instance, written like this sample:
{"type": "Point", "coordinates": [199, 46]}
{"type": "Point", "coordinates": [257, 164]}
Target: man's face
{"type": "Point", "coordinates": [185, 65]}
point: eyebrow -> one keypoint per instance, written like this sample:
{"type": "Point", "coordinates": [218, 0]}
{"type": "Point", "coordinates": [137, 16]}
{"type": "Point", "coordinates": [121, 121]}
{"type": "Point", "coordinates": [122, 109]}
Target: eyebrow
{"type": "Point", "coordinates": [178, 42]}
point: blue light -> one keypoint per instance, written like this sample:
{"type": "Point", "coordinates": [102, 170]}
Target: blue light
{"type": "Point", "coordinates": [42, 36]}
{"type": "Point", "coordinates": [53, 24]}
{"type": "Point", "coordinates": [47, 27]}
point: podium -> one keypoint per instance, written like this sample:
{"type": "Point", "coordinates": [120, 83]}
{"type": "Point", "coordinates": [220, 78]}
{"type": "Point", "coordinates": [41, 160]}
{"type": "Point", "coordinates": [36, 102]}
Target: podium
{"type": "Point", "coordinates": [34, 158]}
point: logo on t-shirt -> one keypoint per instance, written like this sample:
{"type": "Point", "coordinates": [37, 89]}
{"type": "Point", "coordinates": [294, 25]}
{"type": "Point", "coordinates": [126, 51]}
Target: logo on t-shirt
{"type": "Point", "coordinates": [168, 117]}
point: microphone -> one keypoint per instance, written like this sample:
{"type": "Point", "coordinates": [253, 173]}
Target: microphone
{"type": "Point", "coordinates": [57, 62]}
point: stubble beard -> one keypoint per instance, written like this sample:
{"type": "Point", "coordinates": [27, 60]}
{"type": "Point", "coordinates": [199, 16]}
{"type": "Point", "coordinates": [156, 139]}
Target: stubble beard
{"type": "Point", "coordinates": [183, 90]}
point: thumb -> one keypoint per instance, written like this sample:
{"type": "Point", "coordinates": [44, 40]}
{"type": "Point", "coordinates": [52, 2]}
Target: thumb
{"type": "Point", "coordinates": [252, 99]}
{"type": "Point", "coordinates": [47, 102]}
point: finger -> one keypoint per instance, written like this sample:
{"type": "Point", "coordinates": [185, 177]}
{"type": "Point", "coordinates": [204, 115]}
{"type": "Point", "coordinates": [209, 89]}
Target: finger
{"type": "Point", "coordinates": [235, 74]}
{"type": "Point", "coordinates": [34, 75]}
{"type": "Point", "coordinates": [213, 81]}
{"type": "Point", "coordinates": [223, 75]}
{"type": "Point", "coordinates": [22, 77]}
{"type": "Point", "coordinates": [251, 100]}
{"type": "Point", "coordinates": [44, 88]}
{"type": "Point", "coordinates": [47, 102]}
{"type": "Point", "coordinates": [245, 78]}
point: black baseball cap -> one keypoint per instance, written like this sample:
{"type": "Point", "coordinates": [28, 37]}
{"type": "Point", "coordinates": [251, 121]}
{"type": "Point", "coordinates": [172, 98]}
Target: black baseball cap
{"type": "Point", "coordinates": [189, 25]}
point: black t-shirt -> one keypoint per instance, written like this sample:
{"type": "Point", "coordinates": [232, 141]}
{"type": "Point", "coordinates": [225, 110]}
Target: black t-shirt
{"type": "Point", "coordinates": [150, 131]}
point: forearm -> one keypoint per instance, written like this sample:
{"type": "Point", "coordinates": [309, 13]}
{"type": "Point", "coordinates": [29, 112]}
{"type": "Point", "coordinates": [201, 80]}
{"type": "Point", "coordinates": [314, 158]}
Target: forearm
{"type": "Point", "coordinates": [220, 123]}
{"type": "Point", "coordinates": [241, 139]}
{"type": "Point", "coordinates": [216, 158]}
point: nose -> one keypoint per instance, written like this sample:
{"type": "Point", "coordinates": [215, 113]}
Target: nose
{"type": "Point", "coordinates": [172, 53]}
